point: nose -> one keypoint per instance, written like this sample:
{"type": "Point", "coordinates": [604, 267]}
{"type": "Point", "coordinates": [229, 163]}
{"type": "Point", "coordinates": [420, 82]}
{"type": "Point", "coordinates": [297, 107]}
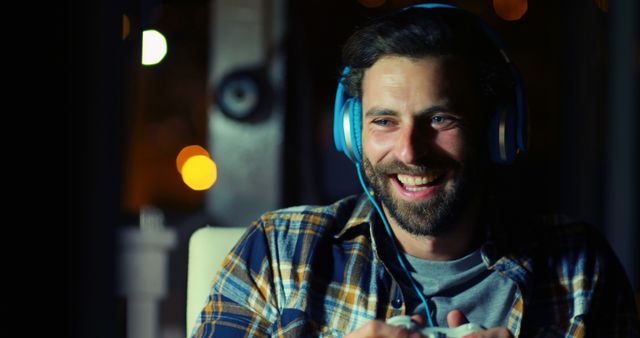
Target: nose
{"type": "Point", "coordinates": [412, 143]}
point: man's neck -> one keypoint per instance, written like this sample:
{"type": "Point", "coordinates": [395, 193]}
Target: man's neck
{"type": "Point", "coordinates": [459, 241]}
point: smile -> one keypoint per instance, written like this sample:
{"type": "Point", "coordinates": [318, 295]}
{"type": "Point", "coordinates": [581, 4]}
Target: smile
{"type": "Point", "coordinates": [418, 186]}
{"type": "Point", "coordinates": [416, 182]}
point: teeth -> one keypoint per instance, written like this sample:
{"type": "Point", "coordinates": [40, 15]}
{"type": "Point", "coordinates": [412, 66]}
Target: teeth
{"type": "Point", "coordinates": [417, 180]}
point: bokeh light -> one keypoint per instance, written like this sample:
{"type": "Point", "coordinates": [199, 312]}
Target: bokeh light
{"type": "Point", "coordinates": [188, 152]}
{"type": "Point", "coordinates": [510, 10]}
{"type": "Point", "coordinates": [199, 172]}
{"type": "Point", "coordinates": [372, 3]}
{"type": "Point", "coordinates": [154, 47]}
{"type": "Point", "coordinates": [603, 5]}
{"type": "Point", "coordinates": [126, 26]}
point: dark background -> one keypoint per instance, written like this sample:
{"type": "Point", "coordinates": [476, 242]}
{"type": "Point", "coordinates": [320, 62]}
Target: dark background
{"type": "Point", "coordinates": [563, 49]}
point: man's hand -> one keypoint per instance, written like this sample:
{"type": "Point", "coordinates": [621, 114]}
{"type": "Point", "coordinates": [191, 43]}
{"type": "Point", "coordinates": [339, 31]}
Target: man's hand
{"type": "Point", "coordinates": [380, 329]}
{"type": "Point", "coordinates": [456, 318]}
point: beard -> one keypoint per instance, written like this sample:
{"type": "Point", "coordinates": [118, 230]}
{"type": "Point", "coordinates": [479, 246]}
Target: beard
{"type": "Point", "coordinates": [432, 217]}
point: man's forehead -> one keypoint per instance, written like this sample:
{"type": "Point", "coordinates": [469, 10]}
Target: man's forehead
{"type": "Point", "coordinates": [439, 73]}
{"type": "Point", "coordinates": [445, 81]}
{"type": "Point", "coordinates": [451, 67]}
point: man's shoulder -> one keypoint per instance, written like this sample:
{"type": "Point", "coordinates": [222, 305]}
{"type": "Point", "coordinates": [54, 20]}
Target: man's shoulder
{"type": "Point", "coordinates": [310, 217]}
{"type": "Point", "coordinates": [560, 238]}
{"type": "Point", "coordinates": [565, 232]}
{"type": "Point", "coordinates": [294, 233]}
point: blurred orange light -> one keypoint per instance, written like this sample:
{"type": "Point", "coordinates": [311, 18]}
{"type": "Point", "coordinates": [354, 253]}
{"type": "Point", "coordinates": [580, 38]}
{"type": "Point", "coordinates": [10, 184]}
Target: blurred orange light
{"type": "Point", "coordinates": [371, 3]}
{"type": "Point", "coordinates": [126, 26]}
{"type": "Point", "coordinates": [603, 5]}
{"type": "Point", "coordinates": [199, 172]}
{"type": "Point", "coordinates": [188, 152]}
{"type": "Point", "coordinates": [510, 10]}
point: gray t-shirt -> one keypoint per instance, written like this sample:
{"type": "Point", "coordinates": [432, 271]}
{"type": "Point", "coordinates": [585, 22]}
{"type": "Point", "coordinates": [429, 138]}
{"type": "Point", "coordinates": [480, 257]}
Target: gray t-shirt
{"type": "Point", "coordinates": [465, 284]}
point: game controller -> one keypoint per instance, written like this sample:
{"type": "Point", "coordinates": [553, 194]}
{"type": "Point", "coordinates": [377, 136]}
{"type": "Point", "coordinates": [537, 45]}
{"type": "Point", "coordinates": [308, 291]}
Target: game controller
{"type": "Point", "coordinates": [435, 332]}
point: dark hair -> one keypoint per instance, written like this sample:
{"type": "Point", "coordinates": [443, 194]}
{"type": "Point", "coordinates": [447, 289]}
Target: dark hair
{"type": "Point", "coordinates": [420, 32]}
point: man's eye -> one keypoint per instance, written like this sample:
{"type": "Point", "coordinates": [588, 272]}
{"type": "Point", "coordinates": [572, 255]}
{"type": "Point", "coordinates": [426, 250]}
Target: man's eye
{"type": "Point", "coordinates": [443, 121]}
{"type": "Point", "coordinates": [383, 122]}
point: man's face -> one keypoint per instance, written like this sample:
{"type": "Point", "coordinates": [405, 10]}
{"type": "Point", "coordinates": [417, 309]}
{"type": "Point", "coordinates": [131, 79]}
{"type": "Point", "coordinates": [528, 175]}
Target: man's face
{"type": "Point", "coordinates": [416, 139]}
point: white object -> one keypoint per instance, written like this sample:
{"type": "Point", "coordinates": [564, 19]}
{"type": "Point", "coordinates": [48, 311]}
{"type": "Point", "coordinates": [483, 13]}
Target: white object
{"type": "Point", "coordinates": [435, 332]}
{"type": "Point", "coordinates": [154, 47]}
{"type": "Point", "coordinates": [143, 263]}
{"type": "Point", "coordinates": [208, 246]}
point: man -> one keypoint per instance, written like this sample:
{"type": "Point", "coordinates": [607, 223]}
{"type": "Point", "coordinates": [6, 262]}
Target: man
{"type": "Point", "coordinates": [424, 86]}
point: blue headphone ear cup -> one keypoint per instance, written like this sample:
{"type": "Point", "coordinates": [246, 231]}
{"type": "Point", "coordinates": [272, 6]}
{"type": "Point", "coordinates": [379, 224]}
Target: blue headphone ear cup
{"type": "Point", "coordinates": [338, 130]}
{"type": "Point", "coordinates": [356, 129]}
{"type": "Point", "coordinates": [494, 138]}
{"type": "Point", "coordinates": [502, 135]}
{"type": "Point", "coordinates": [347, 122]}
{"type": "Point", "coordinates": [522, 123]}
{"type": "Point", "coordinates": [344, 130]}
{"type": "Point", "coordinates": [341, 104]}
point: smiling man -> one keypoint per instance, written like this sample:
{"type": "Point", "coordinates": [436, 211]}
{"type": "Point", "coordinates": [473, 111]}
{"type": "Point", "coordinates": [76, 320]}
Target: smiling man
{"type": "Point", "coordinates": [417, 159]}
{"type": "Point", "coordinates": [428, 107]}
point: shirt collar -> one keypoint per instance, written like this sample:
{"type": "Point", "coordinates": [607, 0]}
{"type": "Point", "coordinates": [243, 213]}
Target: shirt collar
{"type": "Point", "coordinates": [361, 217]}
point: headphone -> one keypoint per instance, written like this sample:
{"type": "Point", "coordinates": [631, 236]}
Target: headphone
{"type": "Point", "coordinates": [508, 129]}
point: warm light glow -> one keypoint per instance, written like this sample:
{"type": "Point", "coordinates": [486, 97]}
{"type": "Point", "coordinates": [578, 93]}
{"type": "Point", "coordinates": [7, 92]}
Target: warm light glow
{"type": "Point", "coordinates": [188, 152]}
{"type": "Point", "coordinates": [603, 5]}
{"type": "Point", "coordinates": [199, 172]}
{"type": "Point", "coordinates": [371, 3]}
{"type": "Point", "coordinates": [154, 47]}
{"type": "Point", "coordinates": [510, 10]}
{"type": "Point", "coordinates": [126, 26]}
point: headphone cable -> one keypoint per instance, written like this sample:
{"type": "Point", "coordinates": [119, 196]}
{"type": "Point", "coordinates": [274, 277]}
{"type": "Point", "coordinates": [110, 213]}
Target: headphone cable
{"type": "Point", "coordinates": [395, 247]}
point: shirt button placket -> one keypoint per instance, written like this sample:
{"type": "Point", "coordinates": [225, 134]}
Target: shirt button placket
{"type": "Point", "coordinates": [397, 301]}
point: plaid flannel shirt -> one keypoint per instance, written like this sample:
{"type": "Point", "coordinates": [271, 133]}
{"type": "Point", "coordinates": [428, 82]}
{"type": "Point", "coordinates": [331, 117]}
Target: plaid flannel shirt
{"type": "Point", "coordinates": [315, 272]}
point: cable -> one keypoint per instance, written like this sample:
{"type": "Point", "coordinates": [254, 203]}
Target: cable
{"type": "Point", "coordinates": [393, 242]}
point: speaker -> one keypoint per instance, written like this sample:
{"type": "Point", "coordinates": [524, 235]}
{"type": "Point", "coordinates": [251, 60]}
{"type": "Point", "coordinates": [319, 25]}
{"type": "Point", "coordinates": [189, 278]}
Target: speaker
{"type": "Point", "coordinates": [245, 94]}
{"type": "Point", "coordinates": [508, 130]}
{"type": "Point", "coordinates": [246, 124]}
